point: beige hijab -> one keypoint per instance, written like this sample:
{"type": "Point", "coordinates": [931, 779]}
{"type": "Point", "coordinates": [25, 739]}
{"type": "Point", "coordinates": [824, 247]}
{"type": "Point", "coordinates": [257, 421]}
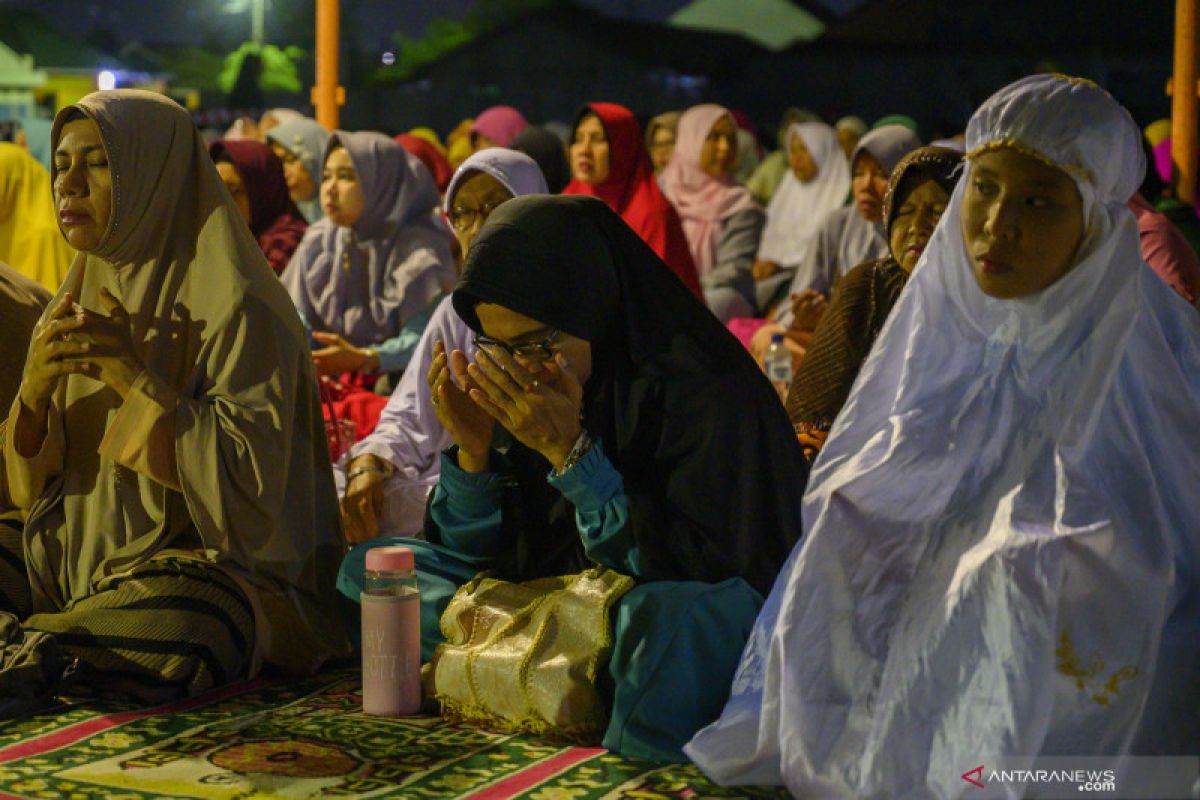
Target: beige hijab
{"type": "Point", "coordinates": [229, 391]}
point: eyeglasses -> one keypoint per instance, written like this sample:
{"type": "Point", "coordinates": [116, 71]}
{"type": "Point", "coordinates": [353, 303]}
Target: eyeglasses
{"type": "Point", "coordinates": [463, 219]}
{"type": "Point", "coordinates": [530, 352]}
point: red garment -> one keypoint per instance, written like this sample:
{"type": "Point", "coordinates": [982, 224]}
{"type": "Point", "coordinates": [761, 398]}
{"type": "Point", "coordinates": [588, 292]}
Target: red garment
{"type": "Point", "coordinates": [274, 219]}
{"type": "Point", "coordinates": [350, 398]}
{"type": "Point", "coordinates": [430, 156]}
{"type": "Point", "coordinates": [632, 191]}
{"type": "Point", "coordinates": [1166, 250]}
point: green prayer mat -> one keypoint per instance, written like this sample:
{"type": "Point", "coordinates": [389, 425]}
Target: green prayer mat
{"type": "Point", "coordinates": [300, 738]}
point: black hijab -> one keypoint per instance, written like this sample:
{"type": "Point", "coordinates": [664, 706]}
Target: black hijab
{"type": "Point", "coordinates": [712, 469]}
{"type": "Point", "coordinates": [547, 150]}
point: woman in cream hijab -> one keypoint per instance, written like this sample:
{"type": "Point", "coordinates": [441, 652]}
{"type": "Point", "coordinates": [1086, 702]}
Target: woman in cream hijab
{"type": "Point", "coordinates": [167, 442]}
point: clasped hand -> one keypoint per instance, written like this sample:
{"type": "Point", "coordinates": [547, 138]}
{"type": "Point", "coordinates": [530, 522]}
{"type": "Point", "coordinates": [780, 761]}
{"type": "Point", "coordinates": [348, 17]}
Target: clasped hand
{"type": "Point", "coordinates": [76, 340]}
{"type": "Point", "coordinates": [538, 404]}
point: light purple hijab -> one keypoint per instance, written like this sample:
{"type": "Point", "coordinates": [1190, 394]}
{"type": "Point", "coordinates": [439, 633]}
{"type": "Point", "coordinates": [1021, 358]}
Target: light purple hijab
{"type": "Point", "coordinates": [516, 171]}
{"type": "Point", "coordinates": [364, 282]}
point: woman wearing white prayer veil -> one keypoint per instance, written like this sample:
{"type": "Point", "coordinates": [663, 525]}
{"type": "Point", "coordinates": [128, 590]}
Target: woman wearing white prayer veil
{"type": "Point", "coordinates": [817, 182]}
{"type": "Point", "coordinates": [1001, 548]}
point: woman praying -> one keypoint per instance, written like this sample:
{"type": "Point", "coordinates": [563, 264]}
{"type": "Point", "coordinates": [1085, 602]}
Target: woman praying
{"type": "Point", "coordinates": [607, 419]}
{"type": "Point", "coordinates": [166, 444]}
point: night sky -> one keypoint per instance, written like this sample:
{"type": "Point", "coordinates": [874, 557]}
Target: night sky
{"type": "Point", "coordinates": [190, 21]}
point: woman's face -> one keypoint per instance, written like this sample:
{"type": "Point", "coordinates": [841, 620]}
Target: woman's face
{"type": "Point", "coordinates": [342, 197]}
{"type": "Point", "coordinates": [718, 154]}
{"type": "Point", "coordinates": [869, 181]}
{"type": "Point", "coordinates": [1022, 222]}
{"type": "Point", "coordinates": [237, 190]}
{"type": "Point", "coordinates": [916, 216]}
{"type": "Point", "coordinates": [82, 185]}
{"type": "Point", "coordinates": [300, 183]}
{"type": "Point", "coordinates": [589, 151]}
{"type": "Point", "coordinates": [803, 165]}
{"type": "Point", "coordinates": [515, 330]}
{"type": "Point", "coordinates": [474, 199]}
{"type": "Point", "coordinates": [662, 147]}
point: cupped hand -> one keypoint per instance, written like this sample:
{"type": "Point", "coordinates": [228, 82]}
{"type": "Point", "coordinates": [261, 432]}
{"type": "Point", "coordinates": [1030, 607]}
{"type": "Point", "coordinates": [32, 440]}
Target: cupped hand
{"type": "Point", "coordinates": [541, 410]}
{"type": "Point", "coordinates": [807, 309]}
{"type": "Point", "coordinates": [470, 426]}
{"type": "Point", "coordinates": [50, 352]}
{"type": "Point", "coordinates": [110, 356]}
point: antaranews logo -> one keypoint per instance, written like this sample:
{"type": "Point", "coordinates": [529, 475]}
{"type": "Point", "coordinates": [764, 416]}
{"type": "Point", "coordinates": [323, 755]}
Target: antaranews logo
{"type": "Point", "coordinates": [977, 780]}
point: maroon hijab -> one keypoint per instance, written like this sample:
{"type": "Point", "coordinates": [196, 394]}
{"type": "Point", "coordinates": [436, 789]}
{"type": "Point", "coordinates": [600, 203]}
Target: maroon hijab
{"type": "Point", "coordinates": [274, 219]}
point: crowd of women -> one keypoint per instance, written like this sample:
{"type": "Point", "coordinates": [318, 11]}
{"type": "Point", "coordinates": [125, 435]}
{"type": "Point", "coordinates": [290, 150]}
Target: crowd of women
{"type": "Point", "coordinates": [532, 354]}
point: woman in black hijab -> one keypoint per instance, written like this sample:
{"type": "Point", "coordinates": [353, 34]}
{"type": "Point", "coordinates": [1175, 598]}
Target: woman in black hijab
{"type": "Point", "coordinates": [635, 432]}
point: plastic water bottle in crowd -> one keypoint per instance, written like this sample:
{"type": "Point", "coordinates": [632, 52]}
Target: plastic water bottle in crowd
{"type": "Point", "coordinates": [391, 633]}
{"type": "Point", "coordinates": [778, 365]}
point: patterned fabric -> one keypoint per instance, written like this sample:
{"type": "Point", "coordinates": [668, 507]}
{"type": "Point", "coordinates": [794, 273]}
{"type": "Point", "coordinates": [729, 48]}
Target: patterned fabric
{"type": "Point", "coordinates": [171, 627]}
{"type": "Point", "coordinates": [308, 738]}
{"type": "Point", "coordinates": [860, 306]}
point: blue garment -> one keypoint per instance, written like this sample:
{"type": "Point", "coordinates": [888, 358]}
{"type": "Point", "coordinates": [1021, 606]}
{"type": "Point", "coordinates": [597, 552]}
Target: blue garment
{"type": "Point", "coordinates": [395, 353]}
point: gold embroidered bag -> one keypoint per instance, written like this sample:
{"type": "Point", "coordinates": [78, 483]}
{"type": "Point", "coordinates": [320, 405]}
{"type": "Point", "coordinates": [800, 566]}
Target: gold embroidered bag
{"type": "Point", "coordinates": [524, 656]}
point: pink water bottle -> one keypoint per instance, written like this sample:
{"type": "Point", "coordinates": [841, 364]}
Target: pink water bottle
{"type": "Point", "coordinates": [391, 633]}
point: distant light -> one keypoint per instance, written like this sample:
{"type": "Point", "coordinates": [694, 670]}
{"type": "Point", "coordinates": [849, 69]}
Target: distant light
{"type": "Point", "coordinates": [388, 58]}
{"type": "Point", "coordinates": [107, 79]}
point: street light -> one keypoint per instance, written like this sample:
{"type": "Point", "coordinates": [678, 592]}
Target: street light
{"type": "Point", "coordinates": [258, 15]}
{"type": "Point", "coordinates": [107, 79]}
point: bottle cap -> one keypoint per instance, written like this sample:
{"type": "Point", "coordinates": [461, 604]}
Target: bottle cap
{"type": "Point", "coordinates": [390, 559]}
{"type": "Point", "coordinates": [776, 338]}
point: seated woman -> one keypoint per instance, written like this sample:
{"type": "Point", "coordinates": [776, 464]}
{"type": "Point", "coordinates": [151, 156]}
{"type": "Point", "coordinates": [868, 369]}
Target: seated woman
{"type": "Point", "coordinates": [496, 127]}
{"type": "Point", "coordinates": [29, 239]}
{"type": "Point", "coordinates": [546, 149]}
{"type": "Point", "coordinates": [849, 236]}
{"type": "Point", "coordinates": [721, 220]}
{"type": "Point", "coordinates": [254, 177]}
{"type": "Point", "coordinates": [22, 302]}
{"type": "Point", "coordinates": [660, 139]}
{"type": "Point", "coordinates": [300, 144]}
{"type": "Point", "coordinates": [1001, 530]}
{"type": "Point", "coordinates": [607, 161]}
{"type": "Point", "coordinates": [366, 278]}
{"type": "Point", "coordinates": [915, 200]}
{"type": "Point", "coordinates": [390, 472]}
{"type": "Point", "coordinates": [166, 443]}
{"type": "Point", "coordinates": [816, 184]}
{"type": "Point", "coordinates": [630, 431]}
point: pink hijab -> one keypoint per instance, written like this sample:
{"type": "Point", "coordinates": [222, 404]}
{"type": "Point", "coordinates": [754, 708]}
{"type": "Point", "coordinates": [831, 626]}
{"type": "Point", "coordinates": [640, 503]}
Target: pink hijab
{"type": "Point", "coordinates": [501, 124]}
{"type": "Point", "coordinates": [703, 202]}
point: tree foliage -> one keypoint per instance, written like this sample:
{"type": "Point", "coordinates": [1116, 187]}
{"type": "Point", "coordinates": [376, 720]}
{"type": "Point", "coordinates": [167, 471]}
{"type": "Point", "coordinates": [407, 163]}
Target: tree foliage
{"type": "Point", "coordinates": [279, 73]}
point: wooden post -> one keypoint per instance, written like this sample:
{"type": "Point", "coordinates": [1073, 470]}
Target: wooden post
{"type": "Point", "coordinates": [1183, 101]}
{"type": "Point", "coordinates": [327, 94]}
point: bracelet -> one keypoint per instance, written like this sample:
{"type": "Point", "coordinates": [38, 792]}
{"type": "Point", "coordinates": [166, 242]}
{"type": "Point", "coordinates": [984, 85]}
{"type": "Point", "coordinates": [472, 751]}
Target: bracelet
{"type": "Point", "coordinates": [354, 473]}
{"type": "Point", "coordinates": [581, 446]}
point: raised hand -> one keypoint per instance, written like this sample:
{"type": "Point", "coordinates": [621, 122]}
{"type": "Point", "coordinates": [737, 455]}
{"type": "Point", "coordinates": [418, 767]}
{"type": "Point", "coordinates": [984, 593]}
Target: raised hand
{"type": "Point", "coordinates": [338, 355]}
{"type": "Point", "coordinates": [470, 426]}
{"type": "Point", "coordinates": [543, 413]}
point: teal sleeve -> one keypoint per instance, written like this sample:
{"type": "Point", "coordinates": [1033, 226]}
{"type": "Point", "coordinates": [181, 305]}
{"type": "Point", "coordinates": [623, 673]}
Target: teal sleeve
{"type": "Point", "coordinates": [597, 491]}
{"type": "Point", "coordinates": [395, 353]}
{"type": "Point", "coordinates": [466, 508]}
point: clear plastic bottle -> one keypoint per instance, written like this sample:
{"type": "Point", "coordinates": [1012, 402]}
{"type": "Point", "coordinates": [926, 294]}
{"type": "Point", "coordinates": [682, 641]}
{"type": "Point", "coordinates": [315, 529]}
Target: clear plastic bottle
{"type": "Point", "coordinates": [391, 633]}
{"type": "Point", "coordinates": [778, 365]}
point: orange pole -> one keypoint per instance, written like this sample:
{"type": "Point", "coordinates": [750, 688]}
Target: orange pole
{"type": "Point", "coordinates": [1183, 100]}
{"type": "Point", "coordinates": [327, 94]}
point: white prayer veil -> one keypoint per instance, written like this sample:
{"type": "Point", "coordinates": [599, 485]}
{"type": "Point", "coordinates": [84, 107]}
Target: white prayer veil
{"type": "Point", "coordinates": [1001, 537]}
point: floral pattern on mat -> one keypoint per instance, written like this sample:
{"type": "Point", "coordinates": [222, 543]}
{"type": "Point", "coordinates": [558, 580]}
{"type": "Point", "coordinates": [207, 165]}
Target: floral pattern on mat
{"type": "Point", "coordinates": [309, 738]}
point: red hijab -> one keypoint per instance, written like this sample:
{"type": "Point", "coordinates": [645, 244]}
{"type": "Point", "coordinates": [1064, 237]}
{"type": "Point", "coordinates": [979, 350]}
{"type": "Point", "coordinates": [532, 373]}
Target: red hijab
{"type": "Point", "coordinates": [274, 219]}
{"type": "Point", "coordinates": [430, 156]}
{"type": "Point", "coordinates": [632, 191]}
